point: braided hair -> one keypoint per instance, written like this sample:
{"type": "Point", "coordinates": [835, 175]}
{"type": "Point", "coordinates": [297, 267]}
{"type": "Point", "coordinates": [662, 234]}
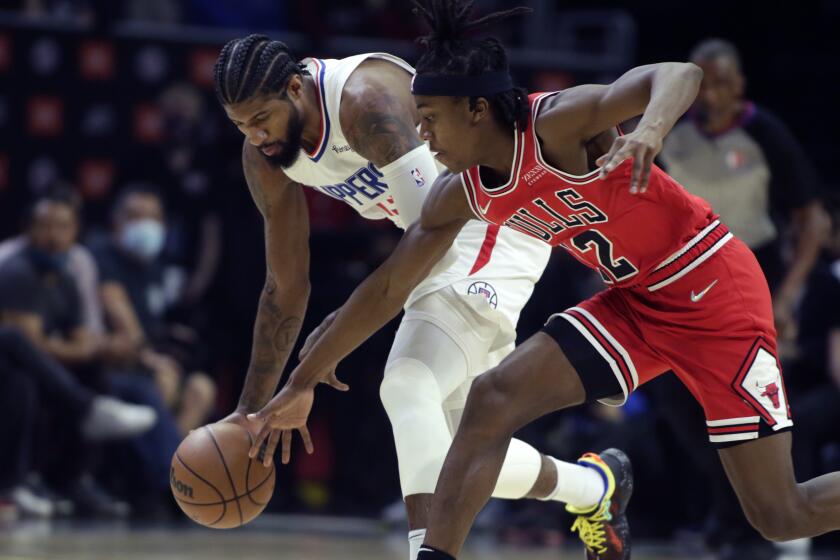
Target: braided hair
{"type": "Point", "coordinates": [253, 65]}
{"type": "Point", "coordinates": [450, 52]}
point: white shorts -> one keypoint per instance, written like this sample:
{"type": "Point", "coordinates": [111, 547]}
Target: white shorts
{"type": "Point", "coordinates": [500, 264]}
{"type": "Point", "coordinates": [479, 315]}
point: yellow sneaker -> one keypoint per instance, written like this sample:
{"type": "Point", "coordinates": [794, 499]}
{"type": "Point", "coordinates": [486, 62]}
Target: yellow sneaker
{"type": "Point", "coordinates": [603, 528]}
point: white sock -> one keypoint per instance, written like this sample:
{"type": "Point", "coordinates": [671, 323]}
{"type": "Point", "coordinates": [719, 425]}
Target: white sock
{"type": "Point", "coordinates": [415, 541]}
{"type": "Point", "coordinates": [578, 486]}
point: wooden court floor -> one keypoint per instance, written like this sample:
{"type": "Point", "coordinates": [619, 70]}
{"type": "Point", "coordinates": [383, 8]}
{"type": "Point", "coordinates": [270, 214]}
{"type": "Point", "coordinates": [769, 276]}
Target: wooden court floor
{"type": "Point", "coordinates": [279, 538]}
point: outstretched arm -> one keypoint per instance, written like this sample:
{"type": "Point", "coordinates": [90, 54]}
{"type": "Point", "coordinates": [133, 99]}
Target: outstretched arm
{"type": "Point", "coordinates": [376, 301]}
{"type": "Point", "coordinates": [285, 294]}
{"type": "Point", "coordinates": [382, 295]}
{"type": "Point", "coordinates": [661, 93]}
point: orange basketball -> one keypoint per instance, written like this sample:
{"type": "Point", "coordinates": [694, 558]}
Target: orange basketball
{"type": "Point", "coordinates": [215, 482]}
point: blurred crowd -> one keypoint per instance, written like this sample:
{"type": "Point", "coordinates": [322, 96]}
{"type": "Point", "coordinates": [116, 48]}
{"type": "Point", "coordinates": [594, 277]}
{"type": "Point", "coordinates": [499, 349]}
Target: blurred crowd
{"type": "Point", "coordinates": [127, 306]}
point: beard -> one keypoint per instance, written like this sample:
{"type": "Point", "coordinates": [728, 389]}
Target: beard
{"type": "Point", "coordinates": [291, 146]}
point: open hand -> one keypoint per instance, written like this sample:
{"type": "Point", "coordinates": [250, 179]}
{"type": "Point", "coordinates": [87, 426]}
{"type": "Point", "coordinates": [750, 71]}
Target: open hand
{"type": "Point", "coordinates": [286, 412]}
{"type": "Point", "coordinates": [240, 417]}
{"type": "Point", "coordinates": [643, 144]}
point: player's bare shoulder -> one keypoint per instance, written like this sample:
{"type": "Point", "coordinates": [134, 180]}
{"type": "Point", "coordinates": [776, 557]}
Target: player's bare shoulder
{"type": "Point", "coordinates": [446, 202]}
{"type": "Point", "coordinates": [559, 115]}
{"type": "Point", "coordinates": [563, 137]}
{"type": "Point", "coordinates": [378, 115]}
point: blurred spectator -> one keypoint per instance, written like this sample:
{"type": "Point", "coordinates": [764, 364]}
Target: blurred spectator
{"type": "Point", "coordinates": [39, 298]}
{"type": "Point", "coordinates": [80, 266]}
{"type": "Point", "coordinates": [135, 298]}
{"type": "Point", "coordinates": [29, 379]}
{"type": "Point", "coordinates": [746, 163]}
{"type": "Point", "coordinates": [39, 295]}
{"type": "Point", "coordinates": [816, 384]}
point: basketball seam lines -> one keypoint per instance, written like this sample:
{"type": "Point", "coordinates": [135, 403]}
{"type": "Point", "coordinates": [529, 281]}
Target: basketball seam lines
{"type": "Point", "coordinates": [208, 483]}
{"type": "Point", "coordinates": [227, 472]}
{"type": "Point", "coordinates": [248, 488]}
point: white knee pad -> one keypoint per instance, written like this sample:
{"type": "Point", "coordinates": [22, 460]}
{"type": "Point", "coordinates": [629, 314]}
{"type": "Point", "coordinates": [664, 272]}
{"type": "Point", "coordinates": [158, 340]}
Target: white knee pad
{"type": "Point", "coordinates": [412, 399]}
{"type": "Point", "coordinates": [521, 467]}
{"type": "Point", "coordinates": [519, 471]}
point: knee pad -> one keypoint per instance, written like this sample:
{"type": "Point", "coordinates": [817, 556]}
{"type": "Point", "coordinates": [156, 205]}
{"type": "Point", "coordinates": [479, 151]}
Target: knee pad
{"type": "Point", "coordinates": [412, 399]}
{"type": "Point", "coordinates": [406, 383]}
{"type": "Point", "coordinates": [519, 471]}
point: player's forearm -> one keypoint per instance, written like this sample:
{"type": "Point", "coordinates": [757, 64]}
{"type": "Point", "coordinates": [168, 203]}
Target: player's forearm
{"type": "Point", "coordinates": [377, 300]}
{"type": "Point", "coordinates": [276, 328]}
{"type": "Point", "coordinates": [367, 310]}
{"type": "Point", "coordinates": [674, 86]}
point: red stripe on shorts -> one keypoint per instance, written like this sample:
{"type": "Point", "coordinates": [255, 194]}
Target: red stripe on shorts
{"type": "Point", "coordinates": [486, 248]}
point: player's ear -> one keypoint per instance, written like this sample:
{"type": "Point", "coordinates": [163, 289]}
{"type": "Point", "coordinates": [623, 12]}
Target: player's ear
{"type": "Point", "coordinates": [480, 109]}
{"type": "Point", "coordinates": [294, 89]}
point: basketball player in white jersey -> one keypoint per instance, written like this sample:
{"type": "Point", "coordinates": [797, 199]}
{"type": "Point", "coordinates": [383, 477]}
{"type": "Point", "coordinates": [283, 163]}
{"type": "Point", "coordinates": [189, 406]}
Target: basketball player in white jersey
{"type": "Point", "coordinates": [348, 128]}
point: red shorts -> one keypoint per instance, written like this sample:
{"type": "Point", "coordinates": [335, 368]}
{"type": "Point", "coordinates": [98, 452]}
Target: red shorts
{"type": "Point", "coordinates": [710, 322]}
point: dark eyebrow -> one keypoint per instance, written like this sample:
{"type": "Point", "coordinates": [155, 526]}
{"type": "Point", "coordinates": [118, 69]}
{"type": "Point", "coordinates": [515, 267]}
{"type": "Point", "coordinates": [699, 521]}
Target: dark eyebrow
{"type": "Point", "coordinates": [261, 113]}
{"type": "Point", "coordinates": [421, 105]}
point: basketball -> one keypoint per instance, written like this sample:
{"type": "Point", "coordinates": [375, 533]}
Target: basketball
{"type": "Point", "coordinates": [215, 482]}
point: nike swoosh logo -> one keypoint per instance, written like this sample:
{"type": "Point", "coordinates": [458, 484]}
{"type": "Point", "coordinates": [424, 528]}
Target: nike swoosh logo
{"type": "Point", "coordinates": [484, 210]}
{"type": "Point", "coordinates": [697, 297]}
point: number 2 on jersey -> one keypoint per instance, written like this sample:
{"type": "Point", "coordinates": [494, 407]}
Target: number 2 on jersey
{"type": "Point", "coordinates": [612, 270]}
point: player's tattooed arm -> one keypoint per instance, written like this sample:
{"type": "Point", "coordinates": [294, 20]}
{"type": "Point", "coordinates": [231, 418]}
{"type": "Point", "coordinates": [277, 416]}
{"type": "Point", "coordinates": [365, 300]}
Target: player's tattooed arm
{"type": "Point", "coordinates": [378, 115]}
{"type": "Point", "coordinates": [285, 294]}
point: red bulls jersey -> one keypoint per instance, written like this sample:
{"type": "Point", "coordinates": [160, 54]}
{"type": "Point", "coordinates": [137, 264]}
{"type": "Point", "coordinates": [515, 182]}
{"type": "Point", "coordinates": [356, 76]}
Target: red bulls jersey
{"type": "Point", "coordinates": [629, 238]}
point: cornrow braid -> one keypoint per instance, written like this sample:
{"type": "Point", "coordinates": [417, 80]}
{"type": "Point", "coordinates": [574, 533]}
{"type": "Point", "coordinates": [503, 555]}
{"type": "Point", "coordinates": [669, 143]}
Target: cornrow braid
{"type": "Point", "coordinates": [450, 52]}
{"type": "Point", "coordinates": [253, 65]}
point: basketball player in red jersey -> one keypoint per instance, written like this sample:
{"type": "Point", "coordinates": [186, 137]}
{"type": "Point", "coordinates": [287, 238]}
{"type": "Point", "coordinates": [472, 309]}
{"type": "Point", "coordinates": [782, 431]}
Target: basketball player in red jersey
{"type": "Point", "coordinates": [684, 295]}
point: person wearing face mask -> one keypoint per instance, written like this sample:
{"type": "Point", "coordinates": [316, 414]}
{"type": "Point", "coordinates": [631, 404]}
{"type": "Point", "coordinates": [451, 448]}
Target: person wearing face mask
{"type": "Point", "coordinates": [135, 299]}
{"type": "Point", "coordinates": [45, 350]}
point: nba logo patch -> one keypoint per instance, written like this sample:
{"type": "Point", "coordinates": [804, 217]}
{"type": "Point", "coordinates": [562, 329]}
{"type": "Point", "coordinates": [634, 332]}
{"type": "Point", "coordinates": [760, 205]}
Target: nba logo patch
{"type": "Point", "coordinates": [419, 180]}
{"type": "Point", "coordinates": [736, 159]}
{"type": "Point", "coordinates": [486, 290]}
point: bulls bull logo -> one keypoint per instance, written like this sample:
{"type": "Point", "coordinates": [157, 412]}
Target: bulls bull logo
{"type": "Point", "coordinates": [771, 391]}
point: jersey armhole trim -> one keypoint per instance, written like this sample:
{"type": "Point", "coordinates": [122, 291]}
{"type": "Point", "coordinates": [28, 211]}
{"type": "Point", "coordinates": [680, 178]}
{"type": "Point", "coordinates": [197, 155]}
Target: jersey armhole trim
{"type": "Point", "coordinates": [320, 67]}
{"type": "Point", "coordinates": [569, 177]}
{"type": "Point", "coordinates": [470, 194]}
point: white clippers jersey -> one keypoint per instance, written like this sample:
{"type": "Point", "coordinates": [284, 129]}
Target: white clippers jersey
{"type": "Point", "coordinates": [481, 252]}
